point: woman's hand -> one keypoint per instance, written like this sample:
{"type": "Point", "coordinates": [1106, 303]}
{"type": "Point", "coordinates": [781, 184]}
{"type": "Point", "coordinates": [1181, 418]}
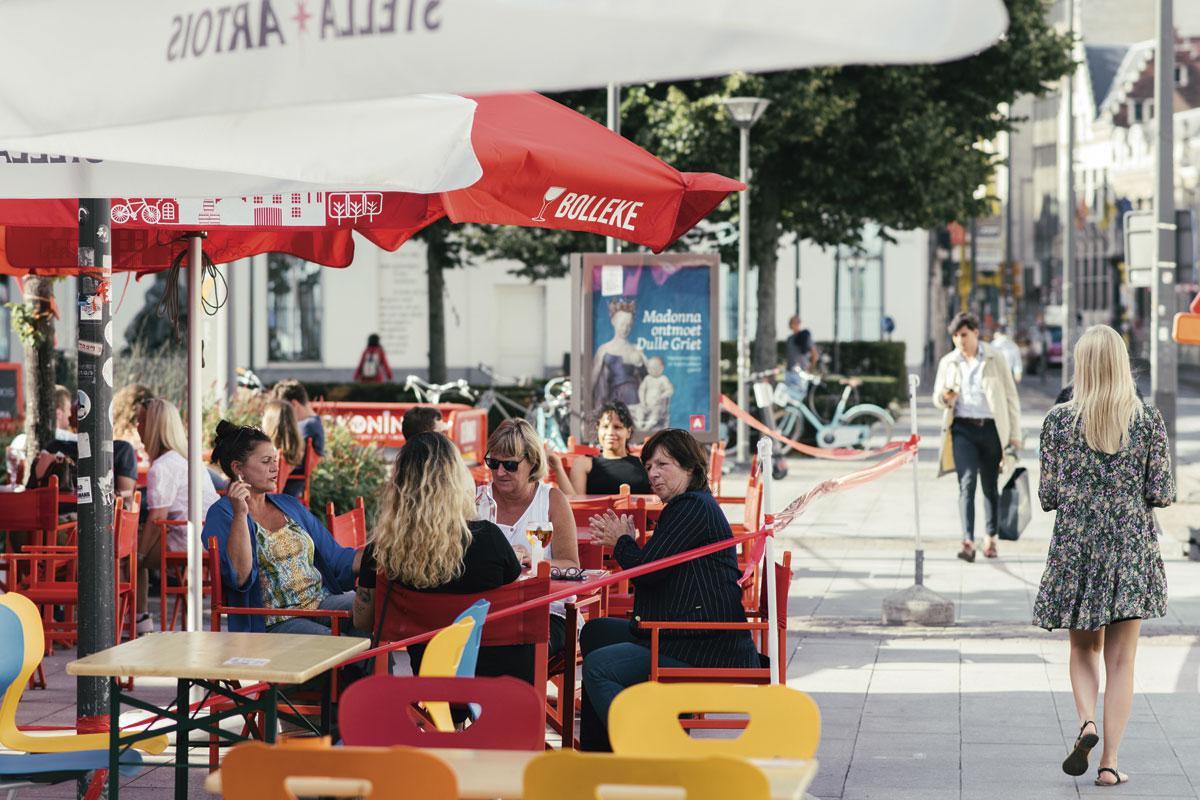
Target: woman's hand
{"type": "Point", "coordinates": [238, 494]}
{"type": "Point", "coordinates": [949, 396]}
{"type": "Point", "coordinates": [607, 528]}
{"type": "Point", "coordinates": [553, 459]}
{"type": "Point", "coordinates": [522, 554]}
{"type": "Point", "coordinates": [1015, 444]}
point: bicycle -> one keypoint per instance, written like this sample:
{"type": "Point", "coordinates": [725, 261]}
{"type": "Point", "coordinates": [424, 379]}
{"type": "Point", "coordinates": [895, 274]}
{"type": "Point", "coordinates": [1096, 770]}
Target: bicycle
{"type": "Point", "coordinates": [504, 405]}
{"type": "Point", "coordinates": [862, 426]}
{"type": "Point", "coordinates": [431, 393]}
{"type": "Point", "coordinates": [552, 417]}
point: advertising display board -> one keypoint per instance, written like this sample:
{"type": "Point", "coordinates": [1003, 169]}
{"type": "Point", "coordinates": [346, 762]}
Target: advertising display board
{"type": "Point", "coordinates": [645, 334]}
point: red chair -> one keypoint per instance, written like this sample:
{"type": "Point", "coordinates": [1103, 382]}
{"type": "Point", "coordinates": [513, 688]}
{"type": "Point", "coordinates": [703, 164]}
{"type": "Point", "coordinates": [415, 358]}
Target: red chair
{"type": "Point", "coordinates": [716, 464]}
{"type": "Point", "coordinates": [34, 512]}
{"type": "Point", "coordinates": [349, 529]}
{"type": "Point", "coordinates": [406, 613]}
{"type": "Point", "coordinates": [310, 464]}
{"type": "Point", "coordinates": [757, 623]}
{"type": "Point", "coordinates": [379, 711]}
{"type": "Point", "coordinates": [285, 472]}
{"type": "Point", "coordinates": [174, 563]}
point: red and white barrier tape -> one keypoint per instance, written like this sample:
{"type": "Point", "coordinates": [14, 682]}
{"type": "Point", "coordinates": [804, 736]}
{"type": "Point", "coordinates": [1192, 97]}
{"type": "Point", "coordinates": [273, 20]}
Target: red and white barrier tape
{"type": "Point", "coordinates": [830, 453]}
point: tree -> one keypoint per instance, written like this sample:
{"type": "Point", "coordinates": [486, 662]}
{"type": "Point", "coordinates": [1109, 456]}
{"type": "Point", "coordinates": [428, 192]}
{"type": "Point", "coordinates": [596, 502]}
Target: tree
{"type": "Point", "coordinates": [838, 147]}
{"type": "Point", "coordinates": [33, 321]}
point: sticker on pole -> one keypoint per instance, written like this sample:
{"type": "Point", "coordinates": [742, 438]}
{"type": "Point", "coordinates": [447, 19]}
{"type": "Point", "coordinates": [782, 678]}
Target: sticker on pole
{"type": "Point", "coordinates": [107, 372]}
{"type": "Point", "coordinates": [90, 309]}
{"type": "Point", "coordinates": [85, 405]}
{"type": "Point", "coordinates": [91, 348]}
{"type": "Point", "coordinates": [83, 492]}
{"type": "Point", "coordinates": [85, 446]}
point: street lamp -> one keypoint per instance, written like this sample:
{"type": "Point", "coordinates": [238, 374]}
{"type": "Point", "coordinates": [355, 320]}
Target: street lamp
{"type": "Point", "coordinates": [744, 111]}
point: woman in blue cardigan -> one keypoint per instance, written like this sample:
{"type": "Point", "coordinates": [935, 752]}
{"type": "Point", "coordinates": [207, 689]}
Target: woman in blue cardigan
{"type": "Point", "coordinates": [274, 552]}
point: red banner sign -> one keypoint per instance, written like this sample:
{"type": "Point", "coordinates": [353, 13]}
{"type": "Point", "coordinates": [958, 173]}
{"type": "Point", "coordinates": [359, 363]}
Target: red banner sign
{"type": "Point", "coordinates": [380, 424]}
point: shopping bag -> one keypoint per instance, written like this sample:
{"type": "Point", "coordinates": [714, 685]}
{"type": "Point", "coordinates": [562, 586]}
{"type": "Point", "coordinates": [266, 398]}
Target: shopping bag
{"type": "Point", "coordinates": [1016, 508]}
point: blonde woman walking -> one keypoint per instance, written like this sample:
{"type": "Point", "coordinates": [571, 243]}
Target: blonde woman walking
{"type": "Point", "coordinates": [1105, 464]}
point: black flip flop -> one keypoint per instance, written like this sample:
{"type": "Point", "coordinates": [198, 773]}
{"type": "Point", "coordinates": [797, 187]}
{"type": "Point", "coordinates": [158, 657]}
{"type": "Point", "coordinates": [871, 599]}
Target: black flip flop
{"type": "Point", "coordinates": [1077, 762]}
{"type": "Point", "coordinates": [1119, 780]}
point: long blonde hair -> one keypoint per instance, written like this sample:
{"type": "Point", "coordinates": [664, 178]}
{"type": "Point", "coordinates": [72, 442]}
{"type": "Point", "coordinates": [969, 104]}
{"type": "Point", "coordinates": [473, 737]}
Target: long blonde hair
{"type": "Point", "coordinates": [125, 406]}
{"type": "Point", "coordinates": [1104, 396]}
{"type": "Point", "coordinates": [422, 534]}
{"type": "Point", "coordinates": [279, 422]}
{"type": "Point", "coordinates": [164, 429]}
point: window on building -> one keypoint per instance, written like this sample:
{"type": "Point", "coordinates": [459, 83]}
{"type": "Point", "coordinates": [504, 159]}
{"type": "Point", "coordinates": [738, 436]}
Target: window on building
{"type": "Point", "coordinates": [295, 309]}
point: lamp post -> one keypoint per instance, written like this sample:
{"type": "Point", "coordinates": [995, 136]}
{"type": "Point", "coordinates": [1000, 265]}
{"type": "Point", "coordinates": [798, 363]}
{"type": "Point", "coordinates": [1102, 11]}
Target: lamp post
{"type": "Point", "coordinates": [744, 111]}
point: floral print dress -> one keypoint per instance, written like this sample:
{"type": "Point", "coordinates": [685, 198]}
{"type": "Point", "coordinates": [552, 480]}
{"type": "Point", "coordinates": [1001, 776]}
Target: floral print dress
{"type": "Point", "coordinates": [1104, 564]}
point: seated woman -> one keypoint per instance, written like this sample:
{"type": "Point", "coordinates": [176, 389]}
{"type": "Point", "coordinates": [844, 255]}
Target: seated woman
{"type": "Point", "coordinates": [279, 423]}
{"type": "Point", "coordinates": [517, 496]}
{"type": "Point", "coordinates": [162, 433]}
{"type": "Point", "coordinates": [274, 552]}
{"type": "Point", "coordinates": [616, 654]}
{"type": "Point", "coordinates": [604, 474]}
{"type": "Point", "coordinates": [428, 540]}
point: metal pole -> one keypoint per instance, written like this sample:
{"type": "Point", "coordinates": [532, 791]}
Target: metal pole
{"type": "Point", "coordinates": [914, 381]}
{"type": "Point", "coordinates": [195, 421]}
{"type": "Point", "coordinates": [1068, 215]}
{"type": "Point", "coordinates": [1006, 276]}
{"type": "Point", "coordinates": [612, 245]}
{"type": "Point", "coordinates": [974, 268]}
{"type": "Point", "coordinates": [94, 490]}
{"type": "Point", "coordinates": [231, 358]}
{"type": "Point", "coordinates": [743, 365]}
{"type": "Point", "coordinates": [1163, 377]}
{"type": "Point", "coordinates": [765, 446]}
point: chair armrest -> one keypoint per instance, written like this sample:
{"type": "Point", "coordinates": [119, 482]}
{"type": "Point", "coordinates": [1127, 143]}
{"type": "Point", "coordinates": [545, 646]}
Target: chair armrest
{"type": "Point", "coordinates": [286, 612]}
{"type": "Point", "coordinates": [730, 499]}
{"type": "Point", "coordinates": [703, 626]}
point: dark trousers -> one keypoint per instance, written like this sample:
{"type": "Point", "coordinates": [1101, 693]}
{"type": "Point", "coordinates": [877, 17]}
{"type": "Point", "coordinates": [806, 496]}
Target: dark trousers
{"type": "Point", "coordinates": [977, 455]}
{"type": "Point", "coordinates": [613, 659]}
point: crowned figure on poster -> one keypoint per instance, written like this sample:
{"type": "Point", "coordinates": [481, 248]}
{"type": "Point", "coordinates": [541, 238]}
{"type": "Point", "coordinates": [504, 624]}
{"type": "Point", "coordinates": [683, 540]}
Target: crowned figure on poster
{"type": "Point", "coordinates": [618, 365]}
{"type": "Point", "coordinates": [653, 411]}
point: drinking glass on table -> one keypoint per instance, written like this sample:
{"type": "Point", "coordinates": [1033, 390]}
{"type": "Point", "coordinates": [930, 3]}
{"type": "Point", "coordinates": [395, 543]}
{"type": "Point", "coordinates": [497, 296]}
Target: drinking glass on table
{"type": "Point", "coordinates": [539, 535]}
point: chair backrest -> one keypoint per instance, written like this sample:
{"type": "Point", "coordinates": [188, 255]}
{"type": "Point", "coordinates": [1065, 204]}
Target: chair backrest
{"type": "Point", "coordinates": [567, 775]}
{"type": "Point", "coordinates": [214, 575]}
{"type": "Point", "coordinates": [32, 509]}
{"type": "Point", "coordinates": [349, 529]}
{"type": "Point", "coordinates": [377, 712]}
{"type": "Point", "coordinates": [408, 613]}
{"type": "Point", "coordinates": [257, 771]}
{"type": "Point", "coordinates": [285, 472]}
{"type": "Point", "coordinates": [584, 509]}
{"type": "Point", "coordinates": [12, 649]}
{"type": "Point", "coordinates": [470, 657]}
{"type": "Point", "coordinates": [752, 507]}
{"type": "Point", "coordinates": [125, 529]}
{"type": "Point", "coordinates": [716, 465]}
{"type": "Point", "coordinates": [443, 654]}
{"type": "Point", "coordinates": [310, 463]}
{"type": "Point", "coordinates": [782, 722]}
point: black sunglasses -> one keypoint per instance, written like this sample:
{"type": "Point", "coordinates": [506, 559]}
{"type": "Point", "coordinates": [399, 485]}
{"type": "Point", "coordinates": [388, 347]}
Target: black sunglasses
{"type": "Point", "coordinates": [496, 463]}
{"type": "Point", "coordinates": [567, 573]}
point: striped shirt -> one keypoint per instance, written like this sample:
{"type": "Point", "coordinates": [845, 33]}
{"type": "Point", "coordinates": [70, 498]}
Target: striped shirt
{"type": "Point", "coordinates": [702, 590]}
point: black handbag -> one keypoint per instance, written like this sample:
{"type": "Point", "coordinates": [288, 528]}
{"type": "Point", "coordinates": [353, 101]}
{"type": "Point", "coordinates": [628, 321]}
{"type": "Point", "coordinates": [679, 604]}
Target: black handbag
{"type": "Point", "coordinates": [1016, 508]}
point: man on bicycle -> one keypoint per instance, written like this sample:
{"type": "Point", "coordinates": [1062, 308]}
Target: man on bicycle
{"type": "Point", "coordinates": [802, 353]}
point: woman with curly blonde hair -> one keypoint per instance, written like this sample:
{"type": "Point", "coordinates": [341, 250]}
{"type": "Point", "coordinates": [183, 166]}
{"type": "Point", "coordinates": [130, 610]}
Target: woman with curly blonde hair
{"type": "Point", "coordinates": [428, 540]}
{"type": "Point", "coordinates": [125, 406]}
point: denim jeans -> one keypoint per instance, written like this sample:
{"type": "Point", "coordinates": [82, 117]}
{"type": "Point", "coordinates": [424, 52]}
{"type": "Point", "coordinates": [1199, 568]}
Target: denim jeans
{"type": "Point", "coordinates": [977, 455]}
{"type": "Point", "coordinates": [613, 659]}
{"type": "Point", "coordinates": [319, 626]}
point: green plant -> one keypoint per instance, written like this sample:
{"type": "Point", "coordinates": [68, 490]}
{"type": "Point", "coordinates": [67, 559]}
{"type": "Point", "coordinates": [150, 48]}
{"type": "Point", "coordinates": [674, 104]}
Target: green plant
{"type": "Point", "coordinates": [25, 322]}
{"type": "Point", "coordinates": [164, 371]}
{"type": "Point", "coordinates": [347, 471]}
{"type": "Point", "coordinates": [245, 408]}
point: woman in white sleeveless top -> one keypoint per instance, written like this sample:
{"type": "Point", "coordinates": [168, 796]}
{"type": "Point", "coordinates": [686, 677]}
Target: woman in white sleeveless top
{"type": "Point", "coordinates": [517, 496]}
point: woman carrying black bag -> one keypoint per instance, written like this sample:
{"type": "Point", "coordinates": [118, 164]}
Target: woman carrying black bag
{"type": "Point", "coordinates": [1105, 464]}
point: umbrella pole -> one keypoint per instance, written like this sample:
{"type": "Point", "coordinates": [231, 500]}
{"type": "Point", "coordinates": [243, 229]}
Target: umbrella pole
{"type": "Point", "coordinates": [764, 466]}
{"type": "Point", "coordinates": [195, 561]}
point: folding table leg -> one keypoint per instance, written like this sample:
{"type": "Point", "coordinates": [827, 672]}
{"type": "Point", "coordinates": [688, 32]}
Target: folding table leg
{"type": "Point", "coordinates": [114, 738]}
{"type": "Point", "coordinates": [182, 737]}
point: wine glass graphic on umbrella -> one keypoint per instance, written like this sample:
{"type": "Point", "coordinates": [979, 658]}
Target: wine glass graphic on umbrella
{"type": "Point", "coordinates": [552, 194]}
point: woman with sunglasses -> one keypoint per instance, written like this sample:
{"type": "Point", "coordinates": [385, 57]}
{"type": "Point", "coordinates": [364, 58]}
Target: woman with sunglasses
{"type": "Point", "coordinates": [517, 496]}
{"type": "Point", "coordinates": [604, 474]}
{"type": "Point", "coordinates": [274, 552]}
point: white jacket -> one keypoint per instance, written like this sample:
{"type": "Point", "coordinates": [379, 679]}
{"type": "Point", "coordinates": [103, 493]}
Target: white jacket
{"type": "Point", "coordinates": [998, 387]}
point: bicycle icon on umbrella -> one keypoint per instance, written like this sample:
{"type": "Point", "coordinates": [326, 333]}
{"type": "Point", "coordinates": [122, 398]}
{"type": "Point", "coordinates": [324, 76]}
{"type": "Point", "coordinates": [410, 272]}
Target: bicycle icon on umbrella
{"type": "Point", "coordinates": [136, 207]}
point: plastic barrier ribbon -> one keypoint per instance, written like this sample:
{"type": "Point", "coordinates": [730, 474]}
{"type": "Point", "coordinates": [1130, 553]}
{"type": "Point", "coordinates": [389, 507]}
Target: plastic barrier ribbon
{"type": "Point", "coordinates": [831, 453]}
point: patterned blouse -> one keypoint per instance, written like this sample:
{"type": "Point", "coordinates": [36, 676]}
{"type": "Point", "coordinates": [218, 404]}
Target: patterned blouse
{"type": "Point", "coordinates": [287, 576]}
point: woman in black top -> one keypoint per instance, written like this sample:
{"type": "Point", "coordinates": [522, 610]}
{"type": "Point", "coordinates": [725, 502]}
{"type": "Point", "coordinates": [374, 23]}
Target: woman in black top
{"type": "Point", "coordinates": [604, 474]}
{"type": "Point", "coordinates": [616, 652]}
{"type": "Point", "coordinates": [426, 540]}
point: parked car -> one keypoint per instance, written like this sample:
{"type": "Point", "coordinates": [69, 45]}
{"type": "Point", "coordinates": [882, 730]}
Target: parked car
{"type": "Point", "coordinates": [1054, 345]}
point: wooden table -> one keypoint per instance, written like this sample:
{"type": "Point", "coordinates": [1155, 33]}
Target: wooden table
{"type": "Point", "coordinates": [204, 659]}
{"type": "Point", "coordinates": [500, 774]}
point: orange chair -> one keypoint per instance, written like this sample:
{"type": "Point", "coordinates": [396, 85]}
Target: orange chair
{"type": "Point", "coordinates": [174, 563]}
{"type": "Point", "coordinates": [757, 623]}
{"type": "Point", "coordinates": [716, 464]}
{"type": "Point", "coordinates": [285, 472]}
{"type": "Point", "coordinates": [310, 464]}
{"type": "Point", "coordinates": [256, 771]}
{"type": "Point", "coordinates": [349, 529]}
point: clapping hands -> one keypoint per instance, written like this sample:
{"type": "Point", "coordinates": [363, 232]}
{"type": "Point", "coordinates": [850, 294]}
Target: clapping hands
{"type": "Point", "coordinates": [607, 528]}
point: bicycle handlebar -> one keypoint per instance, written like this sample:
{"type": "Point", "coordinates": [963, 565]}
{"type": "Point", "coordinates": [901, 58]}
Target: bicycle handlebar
{"type": "Point", "coordinates": [413, 383]}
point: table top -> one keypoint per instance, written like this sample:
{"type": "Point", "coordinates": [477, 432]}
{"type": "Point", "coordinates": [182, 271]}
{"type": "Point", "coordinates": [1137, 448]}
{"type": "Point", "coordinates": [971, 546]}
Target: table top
{"type": "Point", "coordinates": [213, 655]}
{"type": "Point", "coordinates": [492, 774]}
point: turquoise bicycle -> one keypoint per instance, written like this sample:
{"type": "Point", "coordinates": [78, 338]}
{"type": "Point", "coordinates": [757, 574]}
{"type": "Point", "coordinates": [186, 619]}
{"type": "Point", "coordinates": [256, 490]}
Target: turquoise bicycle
{"type": "Point", "coordinates": [861, 426]}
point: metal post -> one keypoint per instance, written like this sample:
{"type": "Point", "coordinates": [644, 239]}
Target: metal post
{"type": "Point", "coordinates": [743, 361]}
{"type": "Point", "coordinates": [94, 490]}
{"type": "Point", "coordinates": [765, 446]}
{"type": "Point", "coordinates": [974, 268]}
{"type": "Point", "coordinates": [1069, 301]}
{"type": "Point", "coordinates": [612, 245]}
{"type": "Point", "coordinates": [195, 421]}
{"type": "Point", "coordinates": [914, 381]}
{"type": "Point", "coordinates": [1163, 377]}
{"type": "Point", "coordinates": [231, 358]}
{"type": "Point", "coordinates": [1006, 277]}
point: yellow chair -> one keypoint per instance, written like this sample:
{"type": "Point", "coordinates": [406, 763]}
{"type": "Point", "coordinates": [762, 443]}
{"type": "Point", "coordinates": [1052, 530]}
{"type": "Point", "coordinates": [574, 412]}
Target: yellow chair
{"type": "Point", "coordinates": [34, 646]}
{"type": "Point", "coordinates": [256, 771]}
{"type": "Point", "coordinates": [568, 775]}
{"type": "Point", "coordinates": [783, 722]}
{"type": "Point", "coordinates": [441, 659]}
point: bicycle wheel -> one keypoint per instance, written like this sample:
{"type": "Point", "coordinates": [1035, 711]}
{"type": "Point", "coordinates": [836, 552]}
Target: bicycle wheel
{"type": "Point", "coordinates": [791, 426]}
{"type": "Point", "coordinates": [879, 428]}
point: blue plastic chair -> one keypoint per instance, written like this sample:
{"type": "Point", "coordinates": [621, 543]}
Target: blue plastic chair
{"type": "Point", "coordinates": [24, 769]}
{"type": "Point", "coordinates": [470, 657]}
